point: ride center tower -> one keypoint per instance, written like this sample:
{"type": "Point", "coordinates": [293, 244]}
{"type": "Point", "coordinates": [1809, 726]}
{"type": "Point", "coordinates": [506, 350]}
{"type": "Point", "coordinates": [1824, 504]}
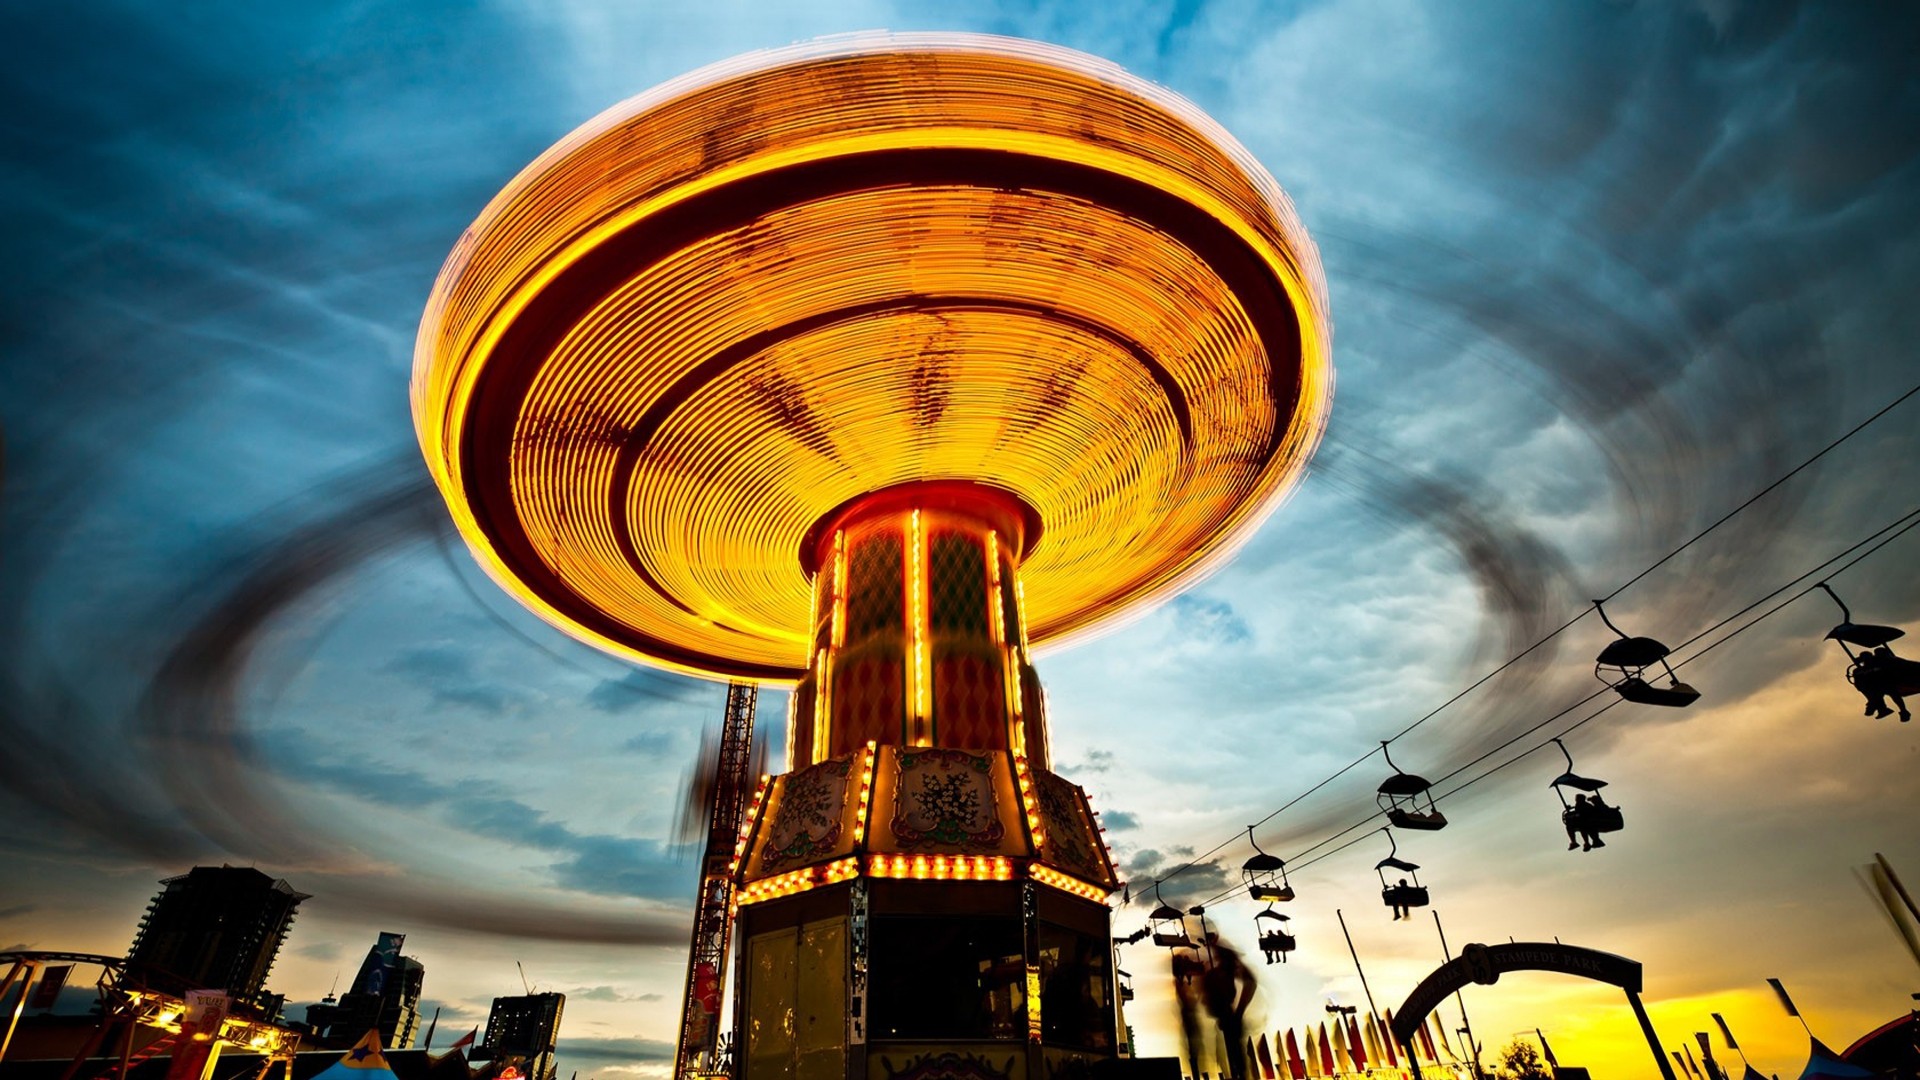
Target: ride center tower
{"type": "Point", "coordinates": [864, 367]}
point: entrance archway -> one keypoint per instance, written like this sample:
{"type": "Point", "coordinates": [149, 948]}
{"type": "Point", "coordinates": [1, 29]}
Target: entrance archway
{"type": "Point", "coordinates": [1484, 964]}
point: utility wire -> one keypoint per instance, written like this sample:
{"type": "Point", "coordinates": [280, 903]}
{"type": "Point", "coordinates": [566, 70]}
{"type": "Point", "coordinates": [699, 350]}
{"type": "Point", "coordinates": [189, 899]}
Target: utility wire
{"type": "Point", "coordinates": [1872, 543]}
{"type": "Point", "coordinates": [1522, 654]}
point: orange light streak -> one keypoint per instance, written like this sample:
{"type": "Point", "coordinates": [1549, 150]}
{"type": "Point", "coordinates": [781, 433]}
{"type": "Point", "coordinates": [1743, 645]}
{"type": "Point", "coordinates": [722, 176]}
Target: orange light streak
{"type": "Point", "coordinates": [747, 822]}
{"type": "Point", "coordinates": [652, 436]}
{"type": "Point", "coordinates": [921, 675]}
{"type": "Point", "coordinates": [866, 795]}
{"type": "Point", "coordinates": [798, 881]}
{"type": "Point", "coordinates": [822, 707]}
{"type": "Point", "coordinates": [941, 867]}
{"type": "Point", "coordinates": [1029, 802]}
{"type": "Point", "coordinates": [1047, 875]}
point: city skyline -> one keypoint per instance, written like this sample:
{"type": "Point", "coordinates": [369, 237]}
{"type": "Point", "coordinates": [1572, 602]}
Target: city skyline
{"type": "Point", "coordinates": [1598, 274]}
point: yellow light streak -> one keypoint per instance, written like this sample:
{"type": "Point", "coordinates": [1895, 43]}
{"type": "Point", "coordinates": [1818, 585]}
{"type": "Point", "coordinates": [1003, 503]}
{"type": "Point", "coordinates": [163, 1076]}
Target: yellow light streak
{"type": "Point", "coordinates": [1009, 666]}
{"type": "Point", "coordinates": [797, 881]}
{"type": "Point", "coordinates": [941, 867]}
{"type": "Point", "coordinates": [1030, 803]}
{"type": "Point", "coordinates": [866, 794]}
{"type": "Point", "coordinates": [1049, 341]}
{"type": "Point", "coordinates": [1047, 875]}
{"type": "Point", "coordinates": [822, 701]}
{"type": "Point", "coordinates": [747, 822]}
{"type": "Point", "coordinates": [921, 676]}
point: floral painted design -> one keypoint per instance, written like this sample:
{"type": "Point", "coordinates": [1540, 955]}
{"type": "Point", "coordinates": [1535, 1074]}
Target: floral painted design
{"type": "Point", "coordinates": [946, 797]}
{"type": "Point", "coordinates": [808, 821]}
{"type": "Point", "coordinates": [1071, 844]}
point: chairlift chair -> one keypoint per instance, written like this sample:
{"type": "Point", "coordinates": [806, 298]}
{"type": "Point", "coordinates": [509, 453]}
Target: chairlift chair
{"type": "Point", "coordinates": [1874, 670]}
{"type": "Point", "coordinates": [1126, 984]}
{"type": "Point", "coordinates": [1623, 665]}
{"type": "Point", "coordinates": [1169, 925]}
{"type": "Point", "coordinates": [1276, 939]}
{"type": "Point", "coordinates": [1411, 894]}
{"type": "Point", "coordinates": [1593, 816]}
{"type": "Point", "coordinates": [1265, 875]}
{"type": "Point", "coordinates": [1408, 799]}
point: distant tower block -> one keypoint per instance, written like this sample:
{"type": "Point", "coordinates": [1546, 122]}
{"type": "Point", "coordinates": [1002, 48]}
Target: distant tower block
{"type": "Point", "coordinates": [863, 367]}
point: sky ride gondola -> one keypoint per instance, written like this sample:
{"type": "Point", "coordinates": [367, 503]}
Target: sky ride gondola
{"type": "Point", "coordinates": [1276, 935]}
{"type": "Point", "coordinates": [1588, 815]}
{"type": "Point", "coordinates": [1265, 875]}
{"type": "Point", "coordinates": [1874, 670]}
{"type": "Point", "coordinates": [1169, 925]}
{"type": "Point", "coordinates": [1406, 893]}
{"type": "Point", "coordinates": [1407, 799]}
{"type": "Point", "coordinates": [1623, 665]}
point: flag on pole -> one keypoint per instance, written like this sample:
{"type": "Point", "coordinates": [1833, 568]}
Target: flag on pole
{"type": "Point", "coordinates": [1384, 1036]}
{"type": "Point", "coordinates": [1691, 1067]}
{"type": "Point", "coordinates": [1314, 1071]}
{"type": "Point", "coordinates": [1265, 1056]}
{"type": "Point", "coordinates": [1355, 1048]}
{"type": "Point", "coordinates": [1711, 1066]}
{"type": "Point", "coordinates": [1326, 1049]}
{"type": "Point", "coordinates": [466, 1040]}
{"type": "Point", "coordinates": [1544, 1048]}
{"type": "Point", "coordinates": [1296, 1065]}
{"type": "Point", "coordinates": [1785, 1001]}
{"type": "Point", "coordinates": [1725, 1031]}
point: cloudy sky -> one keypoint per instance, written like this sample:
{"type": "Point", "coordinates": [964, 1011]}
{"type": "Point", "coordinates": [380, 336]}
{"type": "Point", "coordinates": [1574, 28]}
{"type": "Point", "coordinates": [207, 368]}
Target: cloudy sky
{"type": "Point", "coordinates": [1599, 273]}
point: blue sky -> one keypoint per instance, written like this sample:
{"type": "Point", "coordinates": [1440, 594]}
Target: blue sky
{"type": "Point", "coordinates": [1598, 272]}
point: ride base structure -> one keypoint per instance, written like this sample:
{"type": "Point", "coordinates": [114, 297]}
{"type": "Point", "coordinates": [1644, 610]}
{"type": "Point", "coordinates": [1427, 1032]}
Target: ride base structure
{"type": "Point", "coordinates": [919, 884]}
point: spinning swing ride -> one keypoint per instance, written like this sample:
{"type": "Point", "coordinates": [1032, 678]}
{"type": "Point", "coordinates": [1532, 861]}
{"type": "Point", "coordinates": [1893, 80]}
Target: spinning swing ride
{"type": "Point", "coordinates": [863, 367]}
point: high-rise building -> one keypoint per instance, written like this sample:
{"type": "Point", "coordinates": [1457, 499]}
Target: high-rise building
{"type": "Point", "coordinates": [215, 928]}
{"type": "Point", "coordinates": [384, 995]}
{"type": "Point", "coordinates": [525, 1027]}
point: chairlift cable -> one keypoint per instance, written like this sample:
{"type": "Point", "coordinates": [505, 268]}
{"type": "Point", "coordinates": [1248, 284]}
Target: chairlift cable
{"type": "Point", "coordinates": [1898, 526]}
{"type": "Point", "coordinates": [1736, 632]}
{"type": "Point", "coordinates": [1872, 543]}
{"type": "Point", "coordinates": [1562, 628]}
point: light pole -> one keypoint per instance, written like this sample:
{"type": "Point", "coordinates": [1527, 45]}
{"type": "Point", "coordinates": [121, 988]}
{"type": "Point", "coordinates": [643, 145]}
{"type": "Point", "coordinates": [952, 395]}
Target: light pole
{"type": "Point", "coordinates": [1474, 1049]}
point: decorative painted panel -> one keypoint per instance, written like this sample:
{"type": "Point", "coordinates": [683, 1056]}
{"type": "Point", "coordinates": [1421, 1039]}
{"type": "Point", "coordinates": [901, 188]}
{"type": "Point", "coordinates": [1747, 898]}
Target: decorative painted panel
{"type": "Point", "coordinates": [946, 1063]}
{"type": "Point", "coordinates": [810, 819]}
{"type": "Point", "coordinates": [1073, 844]}
{"type": "Point", "coordinates": [946, 797]}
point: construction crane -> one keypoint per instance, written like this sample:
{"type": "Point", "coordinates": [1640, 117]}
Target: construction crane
{"type": "Point", "coordinates": [731, 784]}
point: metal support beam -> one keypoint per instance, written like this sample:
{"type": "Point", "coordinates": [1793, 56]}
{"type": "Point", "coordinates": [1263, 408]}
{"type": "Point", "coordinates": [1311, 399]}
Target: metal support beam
{"type": "Point", "coordinates": [1653, 1038]}
{"type": "Point", "coordinates": [712, 914]}
{"type": "Point", "coordinates": [23, 972]}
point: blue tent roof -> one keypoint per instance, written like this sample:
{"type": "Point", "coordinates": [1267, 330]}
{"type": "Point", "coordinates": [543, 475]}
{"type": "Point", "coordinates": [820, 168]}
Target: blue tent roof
{"type": "Point", "coordinates": [1824, 1064]}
